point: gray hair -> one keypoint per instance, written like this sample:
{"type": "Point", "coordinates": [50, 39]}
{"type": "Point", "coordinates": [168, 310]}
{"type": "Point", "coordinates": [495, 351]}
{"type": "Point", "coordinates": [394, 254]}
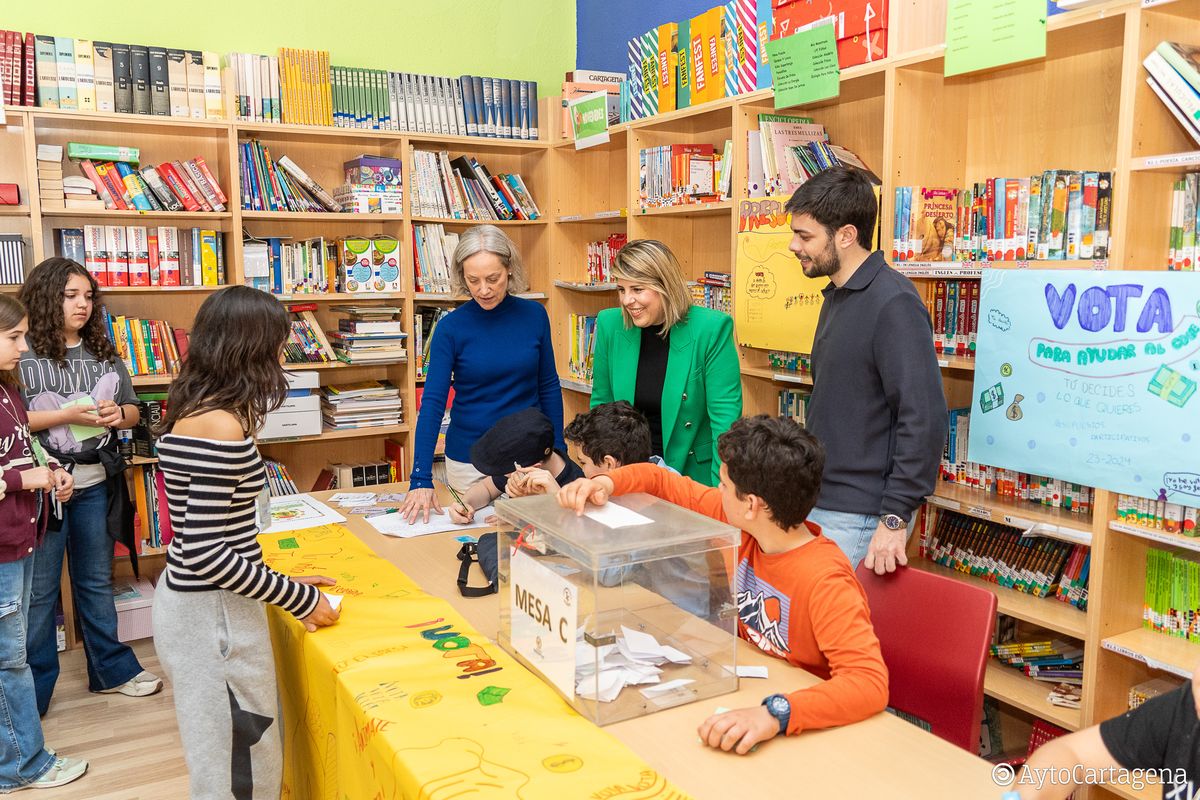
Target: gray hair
{"type": "Point", "coordinates": [487, 239]}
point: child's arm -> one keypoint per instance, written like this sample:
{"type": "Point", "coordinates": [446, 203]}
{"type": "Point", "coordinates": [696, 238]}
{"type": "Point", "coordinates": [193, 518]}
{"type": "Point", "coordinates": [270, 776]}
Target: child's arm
{"type": "Point", "coordinates": [481, 493]}
{"type": "Point", "coordinates": [659, 482]}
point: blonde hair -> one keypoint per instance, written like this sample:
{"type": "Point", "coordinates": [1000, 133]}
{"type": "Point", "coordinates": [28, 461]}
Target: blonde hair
{"type": "Point", "coordinates": [487, 239]}
{"type": "Point", "coordinates": [651, 263]}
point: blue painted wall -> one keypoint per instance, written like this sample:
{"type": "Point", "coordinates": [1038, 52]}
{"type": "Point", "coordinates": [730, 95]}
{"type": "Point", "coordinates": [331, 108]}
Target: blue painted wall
{"type": "Point", "coordinates": [602, 27]}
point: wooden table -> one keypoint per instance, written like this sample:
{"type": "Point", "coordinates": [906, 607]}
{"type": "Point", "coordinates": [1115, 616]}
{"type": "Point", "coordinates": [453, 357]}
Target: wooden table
{"type": "Point", "coordinates": [880, 757]}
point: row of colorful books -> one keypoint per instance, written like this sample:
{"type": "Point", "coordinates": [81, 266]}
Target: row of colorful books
{"type": "Point", "coordinates": [954, 310]}
{"type": "Point", "coordinates": [1185, 213]}
{"type": "Point", "coordinates": [1172, 598]}
{"type": "Point", "coordinates": [799, 363]}
{"type": "Point", "coordinates": [786, 151]}
{"type": "Point", "coordinates": [463, 188]}
{"type": "Point", "coordinates": [133, 255]}
{"type": "Point", "coordinates": [1160, 514]}
{"type": "Point", "coordinates": [433, 252]}
{"type": "Point", "coordinates": [1001, 554]}
{"type": "Point", "coordinates": [793, 404]}
{"type": "Point", "coordinates": [147, 346]}
{"type": "Point", "coordinates": [306, 343]}
{"type": "Point", "coordinates": [957, 467]}
{"type": "Point", "coordinates": [109, 77]}
{"type": "Point", "coordinates": [601, 255]}
{"type": "Point", "coordinates": [1052, 660]}
{"type": "Point", "coordinates": [1061, 214]}
{"type": "Point", "coordinates": [270, 185]}
{"type": "Point", "coordinates": [118, 181]}
{"type": "Point", "coordinates": [714, 290]}
{"type": "Point", "coordinates": [302, 87]}
{"type": "Point", "coordinates": [581, 347]}
{"type": "Point", "coordinates": [683, 174]}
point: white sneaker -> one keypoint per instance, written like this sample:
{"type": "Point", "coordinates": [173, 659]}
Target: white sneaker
{"type": "Point", "coordinates": [65, 770]}
{"type": "Point", "coordinates": [140, 685]}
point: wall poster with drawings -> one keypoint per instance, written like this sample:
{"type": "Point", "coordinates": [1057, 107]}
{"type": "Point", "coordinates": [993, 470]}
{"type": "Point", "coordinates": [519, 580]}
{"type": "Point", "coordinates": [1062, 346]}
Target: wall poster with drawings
{"type": "Point", "coordinates": [1091, 377]}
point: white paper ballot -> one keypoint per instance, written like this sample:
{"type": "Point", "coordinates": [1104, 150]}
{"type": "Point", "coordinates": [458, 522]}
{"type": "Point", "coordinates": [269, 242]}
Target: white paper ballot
{"type": "Point", "coordinates": [615, 516]}
{"type": "Point", "coordinates": [335, 600]}
{"type": "Point", "coordinates": [397, 525]}
{"type": "Point", "coordinates": [747, 671]}
{"type": "Point", "coordinates": [346, 499]}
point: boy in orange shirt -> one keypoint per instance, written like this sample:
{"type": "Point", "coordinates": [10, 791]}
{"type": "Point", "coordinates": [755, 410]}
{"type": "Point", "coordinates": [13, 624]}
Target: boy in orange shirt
{"type": "Point", "coordinates": [797, 595]}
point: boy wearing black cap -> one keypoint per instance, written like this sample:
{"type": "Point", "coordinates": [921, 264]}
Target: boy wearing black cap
{"type": "Point", "coordinates": [520, 440]}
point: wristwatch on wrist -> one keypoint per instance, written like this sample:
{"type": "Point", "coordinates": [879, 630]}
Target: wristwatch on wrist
{"type": "Point", "coordinates": [779, 708]}
{"type": "Point", "coordinates": [893, 522]}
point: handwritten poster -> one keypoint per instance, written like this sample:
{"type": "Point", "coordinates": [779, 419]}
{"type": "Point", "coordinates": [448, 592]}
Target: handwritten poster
{"type": "Point", "coordinates": [805, 66]}
{"type": "Point", "coordinates": [981, 34]}
{"type": "Point", "coordinates": [776, 307]}
{"type": "Point", "coordinates": [1091, 377]}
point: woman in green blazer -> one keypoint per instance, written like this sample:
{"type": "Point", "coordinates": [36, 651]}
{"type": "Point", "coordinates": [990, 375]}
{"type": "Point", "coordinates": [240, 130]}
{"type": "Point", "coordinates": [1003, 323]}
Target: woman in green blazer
{"type": "Point", "coordinates": [677, 363]}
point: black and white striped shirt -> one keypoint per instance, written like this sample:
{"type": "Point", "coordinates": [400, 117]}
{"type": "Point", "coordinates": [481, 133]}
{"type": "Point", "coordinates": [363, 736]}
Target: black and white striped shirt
{"type": "Point", "coordinates": [212, 490]}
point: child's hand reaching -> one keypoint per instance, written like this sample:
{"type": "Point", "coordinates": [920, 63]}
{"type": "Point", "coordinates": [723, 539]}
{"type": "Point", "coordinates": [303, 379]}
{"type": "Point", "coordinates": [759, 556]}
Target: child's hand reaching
{"type": "Point", "coordinates": [577, 494]}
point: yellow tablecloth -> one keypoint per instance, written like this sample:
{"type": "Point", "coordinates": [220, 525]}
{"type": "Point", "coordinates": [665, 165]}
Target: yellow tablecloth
{"type": "Point", "coordinates": [403, 699]}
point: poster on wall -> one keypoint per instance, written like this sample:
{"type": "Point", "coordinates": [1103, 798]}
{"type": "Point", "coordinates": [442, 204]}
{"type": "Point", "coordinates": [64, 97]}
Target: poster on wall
{"type": "Point", "coordinates": [1091, 378]}
{"type": "Point", "coordinates": [775, 306]}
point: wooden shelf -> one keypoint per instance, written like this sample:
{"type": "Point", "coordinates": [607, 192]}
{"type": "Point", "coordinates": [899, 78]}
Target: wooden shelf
{"type": "Point", "coordinates": [574, 385]}
{"type": "Point", "coordinates": [329, 436]}
{"type": "Point", "coordinates": [778, 375]}
{"type": "Point", "coordinates": [694, 210]}
{"type": "Point", "coordinates": [158, 289]}
{"type": "Point", "coordinates": [954, 270]}
{"type": "Point", "coordinates": [322, 365]}
{"type": "Point", "coordinates": [470, 222]}
{"type": "Point", "coordinates": [439, 297]}
{"type": "Point", "coordinates": [339, 297]}
{"type": "Point", "coordinates": [318, 216]}
{"type": "Point", "coordinates": [477, 142]}
{"type": "Point", "coordinates": [1170, 162]}
{"type": "Point", "coordinates": [1156, 650]}
{"type": "Point", "coordinates": [113, 214]}
{"type": "Point", "coordinates": [59, 116]}
{"type": "Point", "coordinates": [605, 217]}
{"type": "Point", "coordinates": [572, 286]}
{"type": "Point", "coordinates": [1157, 536]}
{"type": "Point", "coordinates": [246, 129]}
{"type": "Point", "coordinates": [1016, 689]}
{"type": "Point", "coordinates": [151, 380]}
{"type": "Point", "coordinates": [14, 211]}
{"type": "Point", "coordinates": [1045, 521]}
{"type": "Point", "coordinates": [1044, 611]}
{"type": "Point", "coordinates": [957, 363]}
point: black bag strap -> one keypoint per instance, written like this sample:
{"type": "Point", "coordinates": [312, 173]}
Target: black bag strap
{"type": "Point", "coordinates": [468, 555]}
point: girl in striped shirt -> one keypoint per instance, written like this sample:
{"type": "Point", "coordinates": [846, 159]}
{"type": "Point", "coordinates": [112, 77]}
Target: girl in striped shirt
{"type": "Point", "coordinates": [210, 624]}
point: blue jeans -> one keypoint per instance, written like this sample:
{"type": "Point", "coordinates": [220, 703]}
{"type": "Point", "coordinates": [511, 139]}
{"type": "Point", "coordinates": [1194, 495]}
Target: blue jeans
{"type": "Point", "coordinates": [84, 536]}
{"type": "Point", "coordinates": [23, 756]}
{"type": "Point", "coordinates": [849, 531]}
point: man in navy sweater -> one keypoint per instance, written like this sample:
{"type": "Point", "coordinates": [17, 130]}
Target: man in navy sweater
{"type": "Point", "coordinates": [877, 402]}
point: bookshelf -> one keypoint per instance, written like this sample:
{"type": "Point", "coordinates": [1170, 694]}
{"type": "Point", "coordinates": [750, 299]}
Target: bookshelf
{"type": "Point", "coordinates": [1086, 106]}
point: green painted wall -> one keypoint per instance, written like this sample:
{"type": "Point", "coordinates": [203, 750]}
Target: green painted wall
{"type": "Point", "coordinates": [523, 39]}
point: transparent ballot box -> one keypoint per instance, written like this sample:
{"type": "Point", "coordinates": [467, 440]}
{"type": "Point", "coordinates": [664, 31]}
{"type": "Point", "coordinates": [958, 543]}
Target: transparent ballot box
{"type": "Point", "coordinates": [626, 610]}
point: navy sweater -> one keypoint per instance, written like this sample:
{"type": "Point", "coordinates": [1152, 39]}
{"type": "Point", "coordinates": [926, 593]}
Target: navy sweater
{"type": "Point", "coordinates": [499, 362]}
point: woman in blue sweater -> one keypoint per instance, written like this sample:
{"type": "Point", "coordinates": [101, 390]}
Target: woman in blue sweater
{"type": "Point", "coordinates": [495, 350]}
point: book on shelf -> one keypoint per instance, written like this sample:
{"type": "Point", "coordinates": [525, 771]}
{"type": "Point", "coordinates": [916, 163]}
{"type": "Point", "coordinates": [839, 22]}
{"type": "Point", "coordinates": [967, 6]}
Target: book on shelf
{"type": "Point", "coordinates": [601, 255]}
{"type": "Point", "coordinates": [275, 265]}
{"type": "Point", "coordinates": [12, 259]}
{"type": "Point", "coordinates": [368, 335]}
{"type": "Point", "coordinates": [1003, 555]}
{"type": "Point", "coordinates": [582, 346]}
{"type": "Point", "coordinates": [1172, 594]}
{"type": "Point", "coordinates": [1060, 214]}
{"type": "Point", "coordinates": [270, 185]}
{"type": "Point", "coordinates": [374, 185]}
{"type": "Point", "coordinates": [108, 77]}
{"type": "Point", "coordinates": [713, 290]}
{"type": "Point", "coordinates": [147, 346]}
{"type": "Point", "coordinates": [364, 404]}
{"type": "Point", "coordinates": [433, 251]}
{"type": "Point", "coordinates": [279, 480]}
{"type": "Point", "coordinates": [135, 255]}
{"type": "Point", "coordinates": [306, 342]}
{"type": "Point", "coordinates": [464, 188]}
{"type": "Point", "coordinates": [1160, 514]}
{"type": "Point", "coordinates": [1185, 214]}
{"type": "Point", "coordinates": [424, 323]}
{"type": "Point", "coordinates": [681, 174]}
{"type": "Point", "coordinates": [793, 404]}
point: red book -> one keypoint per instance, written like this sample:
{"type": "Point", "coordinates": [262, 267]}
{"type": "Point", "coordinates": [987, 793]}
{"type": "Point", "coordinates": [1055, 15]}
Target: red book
{"type": "Point", "coordinates": [152, 256]}
{"type": "Point", "coordinates": [177, 186]}
{"type": "Point", "coordinates": [16, 60]}
{"type": "Point", "coordinates": [29, 91]}
{"type": "Point", "coordinates": [89, 171]}
{"type": "Point", "coordinates": [6, 65]}
{"type": "Point", "coordinates": [323, 482]}
{"type": "Point", "coordinates": [112, 181]}
{"type": "Point", "coordinates": [960, 326]}
{"type": "Point", "coordinates": [181, 342]}
{"type": "Point", "coordinates": [208, 176]}
{"type": "Point", "coordinates": [296, 308]}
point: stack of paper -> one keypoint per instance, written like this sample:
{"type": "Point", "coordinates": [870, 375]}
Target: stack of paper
{"type": "Point", "coordinates": [636, 658]}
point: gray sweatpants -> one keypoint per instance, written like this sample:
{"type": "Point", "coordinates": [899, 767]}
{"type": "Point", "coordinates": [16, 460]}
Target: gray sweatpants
{"type": "Point", "coordinates": [216, 650]}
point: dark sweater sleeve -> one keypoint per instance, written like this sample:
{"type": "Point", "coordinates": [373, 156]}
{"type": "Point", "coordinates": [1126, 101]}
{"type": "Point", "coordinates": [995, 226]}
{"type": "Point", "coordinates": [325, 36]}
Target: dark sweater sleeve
{"type": "Point", "coordinates": [912, 386]}
{"type": "Point", "coordinates": [433, 405]}
{"type": "Point", "coordinates": [550, 397]}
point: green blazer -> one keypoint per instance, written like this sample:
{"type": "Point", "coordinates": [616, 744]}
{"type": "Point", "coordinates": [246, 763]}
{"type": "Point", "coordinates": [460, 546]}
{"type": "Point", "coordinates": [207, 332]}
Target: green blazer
{"type": "Point", "coordinates": [702, 389]}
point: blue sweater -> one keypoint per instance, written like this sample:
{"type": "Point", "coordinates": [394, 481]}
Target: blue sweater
{"type": "Point", "coordinates": [499, 362]}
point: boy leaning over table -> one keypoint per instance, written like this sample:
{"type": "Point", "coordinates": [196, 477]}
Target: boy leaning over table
{"type": "Point", "coordinates": [797, 596]}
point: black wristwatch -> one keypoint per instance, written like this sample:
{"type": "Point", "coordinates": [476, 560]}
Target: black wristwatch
{"type": "Point", "coordinates": [893, 522]}
{"type": "Point", "coordinates": [779, 708]}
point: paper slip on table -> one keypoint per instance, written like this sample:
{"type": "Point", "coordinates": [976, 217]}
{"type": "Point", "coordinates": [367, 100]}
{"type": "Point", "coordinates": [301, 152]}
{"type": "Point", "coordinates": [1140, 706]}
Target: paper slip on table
{"type": "Point", "coordinates": [359, 720]}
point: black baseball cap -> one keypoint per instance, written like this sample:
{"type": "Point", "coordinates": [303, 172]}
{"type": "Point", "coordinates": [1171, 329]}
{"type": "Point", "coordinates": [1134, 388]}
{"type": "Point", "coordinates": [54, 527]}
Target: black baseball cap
{"type": "Point", "coordinates": [525, 437]}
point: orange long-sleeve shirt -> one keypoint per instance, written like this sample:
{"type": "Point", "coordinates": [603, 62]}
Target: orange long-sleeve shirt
{"type": "Point", "coordinates": [804, 606]}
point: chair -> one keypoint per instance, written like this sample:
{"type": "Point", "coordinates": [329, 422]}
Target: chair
{"type": "Point", "coordinates": [935, 633]}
